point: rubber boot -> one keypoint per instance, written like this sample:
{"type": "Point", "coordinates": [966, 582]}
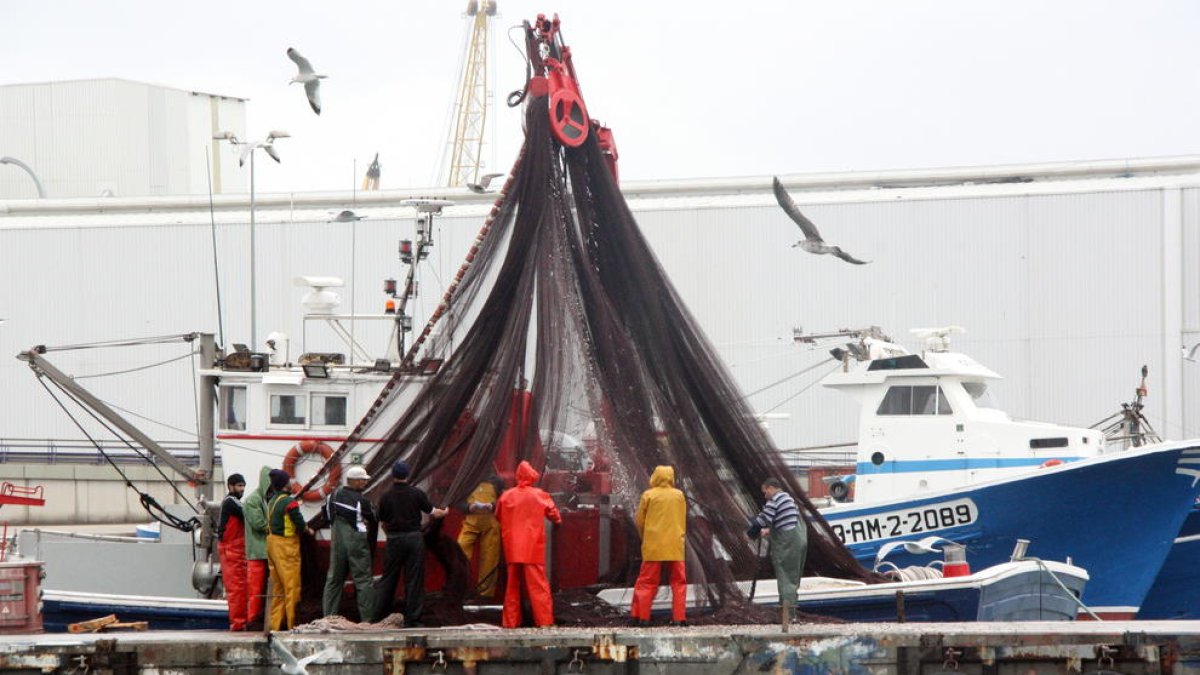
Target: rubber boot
{"type": "Point", "coordinates": [785, 611]}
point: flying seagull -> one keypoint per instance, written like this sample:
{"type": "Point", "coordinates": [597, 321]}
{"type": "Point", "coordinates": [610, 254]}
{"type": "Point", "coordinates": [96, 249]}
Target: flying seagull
{"type": "Point", "coordinates": [310, 79]}
{"type": "Point", "coordinates": [812, 241]}
{"type": "Point", "coordinates": [482, 186]}
{"type": "Point", "coordinates": [268, 146]}
{"type": "Point", "coordinates": [290, 664]}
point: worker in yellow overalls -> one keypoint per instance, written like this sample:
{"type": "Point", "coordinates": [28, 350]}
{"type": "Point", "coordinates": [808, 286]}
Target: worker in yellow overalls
{"type": "Point", "coordinates": [480, 528]}
{"type": "Point", "coordinates": [284, 525]}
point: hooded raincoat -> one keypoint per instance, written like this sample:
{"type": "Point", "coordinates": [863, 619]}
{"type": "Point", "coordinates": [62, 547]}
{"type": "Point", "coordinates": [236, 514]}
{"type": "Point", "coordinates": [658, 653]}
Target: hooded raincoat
{"type": "Point", "coordinates": [522, 512]}
{"type": "Point", "coordinates": [254, 508]}
{"type": "Point", "coordinates": [662, 517]}
{"type": "Point", "coordinates": [661, 520]}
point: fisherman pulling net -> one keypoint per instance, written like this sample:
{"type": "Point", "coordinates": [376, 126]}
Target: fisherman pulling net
{"type": "Point", "coordinates": [570, 342]}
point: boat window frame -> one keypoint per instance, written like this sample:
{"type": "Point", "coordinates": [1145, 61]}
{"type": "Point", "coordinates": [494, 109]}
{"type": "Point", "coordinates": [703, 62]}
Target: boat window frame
{"type": "Point", "coordinates": [941, 403]}
{"type": "Point", "coordinates": [272, 392]}
{"type": "Point", "coordinates": [312, 417]}
{"type": "Point", "coordinates": [222, 411]}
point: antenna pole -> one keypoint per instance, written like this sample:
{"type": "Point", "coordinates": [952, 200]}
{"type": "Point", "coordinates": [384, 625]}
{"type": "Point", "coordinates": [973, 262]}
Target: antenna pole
{"type": "Point", "coordinates": [212, 218]}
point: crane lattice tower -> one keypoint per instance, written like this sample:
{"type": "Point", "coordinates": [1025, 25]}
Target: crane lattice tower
{"type": "Point", "coordinates": [470, 107]}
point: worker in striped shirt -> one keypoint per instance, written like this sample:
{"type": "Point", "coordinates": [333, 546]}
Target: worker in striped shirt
{"type": "Point", "coordinates": [781, 521]}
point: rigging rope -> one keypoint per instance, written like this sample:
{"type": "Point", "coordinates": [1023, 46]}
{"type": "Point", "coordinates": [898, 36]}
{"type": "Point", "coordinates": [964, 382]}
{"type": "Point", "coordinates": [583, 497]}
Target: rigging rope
{"type": "Point", "coordinates": [151, 505]}
{"type": "Point", "coordinates": [134, 370]}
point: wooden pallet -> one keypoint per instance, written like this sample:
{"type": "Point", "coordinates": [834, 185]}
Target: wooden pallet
{"type": "Point", "coordinates": [106, 623]}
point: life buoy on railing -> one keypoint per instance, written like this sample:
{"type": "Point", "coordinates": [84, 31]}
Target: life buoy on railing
{"type": "Point", "coordinates": [309, 447]}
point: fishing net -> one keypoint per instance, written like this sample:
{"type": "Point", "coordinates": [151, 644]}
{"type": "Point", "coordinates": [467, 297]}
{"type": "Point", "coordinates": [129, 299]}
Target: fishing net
{"type": "Point", "coordinates": [565, 344]}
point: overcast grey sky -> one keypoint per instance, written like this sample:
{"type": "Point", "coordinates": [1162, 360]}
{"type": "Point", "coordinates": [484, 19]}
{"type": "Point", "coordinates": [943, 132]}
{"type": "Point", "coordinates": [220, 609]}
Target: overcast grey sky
{"type": "Point", "coordinates": [690, 88]}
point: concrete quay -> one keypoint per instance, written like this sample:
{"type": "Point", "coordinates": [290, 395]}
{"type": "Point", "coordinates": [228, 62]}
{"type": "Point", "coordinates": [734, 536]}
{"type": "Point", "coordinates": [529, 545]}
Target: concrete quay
{"type": "Point", "coordinates": [1032, 648]}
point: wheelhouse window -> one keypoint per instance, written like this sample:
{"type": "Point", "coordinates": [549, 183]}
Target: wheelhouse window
{"type": "Point", "coordinates": [288, 409]}
{"type": "Point", "coordinates": [329, 410]}
{"type": "Point", "coordinates": [914, 400]}
{"type": "Point", "coordinates": [233, 408]}
{"type": "Point", "coordinates": [981, 395]}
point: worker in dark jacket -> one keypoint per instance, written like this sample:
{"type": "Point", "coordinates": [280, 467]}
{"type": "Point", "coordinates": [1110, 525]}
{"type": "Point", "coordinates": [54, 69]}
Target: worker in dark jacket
{"type": "Point", "coordinates": [780, 519]}
{"type": "Point", "coordinates": [480, 529]}
{"type": "Point", "coordinates": [353, 524]}
{"type": "Point", "coordinates": [400, 515]}
{"type": "Point", "coordinates": [284, 525]}
{"type": "Point", "coordinates": [231, 550]}
{"type": "Point", "coordinates": [254, 507]}
{"type": "Point", "coordinates": [522, 512]}
{"type": "Point", "coordinates": [661, 521]}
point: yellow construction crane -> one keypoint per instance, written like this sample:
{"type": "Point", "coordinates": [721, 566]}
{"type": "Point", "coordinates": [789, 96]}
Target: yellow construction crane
{"type": "Point", "coordinates": [470, 107]}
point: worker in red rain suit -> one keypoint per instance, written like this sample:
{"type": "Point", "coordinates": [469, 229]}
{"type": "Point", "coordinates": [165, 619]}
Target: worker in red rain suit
{"type": "Point", "coordinates": [522, 512]}
{"type": "Point", "coordinates": [662, 522]}
{"type": "Point", "coordinates": [232, 550]}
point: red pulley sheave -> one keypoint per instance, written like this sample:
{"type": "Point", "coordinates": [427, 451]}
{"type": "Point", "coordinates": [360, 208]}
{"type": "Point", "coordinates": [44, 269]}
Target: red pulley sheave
{"type": "Point", "coordinates": [568, 115]}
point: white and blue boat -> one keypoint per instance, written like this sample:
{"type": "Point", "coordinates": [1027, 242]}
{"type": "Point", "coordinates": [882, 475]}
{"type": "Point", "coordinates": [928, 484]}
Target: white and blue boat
{"type": "Point", "coordinates": [935, 456]}
{"type": "Point", "coordinates": [1025, 590]}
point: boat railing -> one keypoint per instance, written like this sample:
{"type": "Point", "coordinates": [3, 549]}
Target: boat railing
{"type": "Point", "coordinates": [72, 451]}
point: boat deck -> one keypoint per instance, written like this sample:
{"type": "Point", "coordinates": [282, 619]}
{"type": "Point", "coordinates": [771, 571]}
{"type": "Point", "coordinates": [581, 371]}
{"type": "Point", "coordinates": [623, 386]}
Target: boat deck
{"type": "Point", "coordinates": [1027, 648]}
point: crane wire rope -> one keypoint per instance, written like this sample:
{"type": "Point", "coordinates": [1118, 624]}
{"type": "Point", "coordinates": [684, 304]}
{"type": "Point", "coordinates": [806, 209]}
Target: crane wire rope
{"type": "Point", "coordinates": [151, 505]}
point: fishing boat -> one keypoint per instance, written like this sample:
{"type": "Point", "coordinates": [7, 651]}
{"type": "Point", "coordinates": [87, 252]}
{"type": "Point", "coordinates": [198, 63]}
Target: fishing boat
{"type": "Point", "coordinates": [1012, 591]}
{"type": "Point", "coordinates": [935, 456]}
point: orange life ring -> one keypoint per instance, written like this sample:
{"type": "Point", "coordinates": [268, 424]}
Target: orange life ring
{"type": "Point", "coordinates": [306, 448]}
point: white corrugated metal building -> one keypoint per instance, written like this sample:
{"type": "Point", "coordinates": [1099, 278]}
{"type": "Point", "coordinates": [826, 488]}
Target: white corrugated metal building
{"type": "Point", "coordinates": [85, 138]}
{"type": "Point", "coordinates": [1068, 278]}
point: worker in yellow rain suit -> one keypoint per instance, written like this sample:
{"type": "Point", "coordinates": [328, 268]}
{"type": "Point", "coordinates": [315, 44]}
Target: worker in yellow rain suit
{"type": "Point", "coordinates": [481, 528]}
{"type": "Point", "coordinates": [661, 520]}
{"type": "Point", "coordinates": [284, 524]}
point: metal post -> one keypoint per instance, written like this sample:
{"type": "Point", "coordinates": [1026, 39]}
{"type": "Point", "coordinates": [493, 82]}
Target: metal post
{"type": "Point", "coordinates": [253, 289]}
{"type": "Point", "coordinates": [205, 416]}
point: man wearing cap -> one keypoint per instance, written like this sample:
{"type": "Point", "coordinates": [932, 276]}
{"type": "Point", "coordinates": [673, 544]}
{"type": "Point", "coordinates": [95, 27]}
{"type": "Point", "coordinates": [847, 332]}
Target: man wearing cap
{"type": "Point", "coordinates": [231, 550]}
{"type": "Point", "coordinates": [400, 515]}
{"type": "Point", "coordinates": [353, 525]}
{"type": "Point", "coordinates": [284, 525]}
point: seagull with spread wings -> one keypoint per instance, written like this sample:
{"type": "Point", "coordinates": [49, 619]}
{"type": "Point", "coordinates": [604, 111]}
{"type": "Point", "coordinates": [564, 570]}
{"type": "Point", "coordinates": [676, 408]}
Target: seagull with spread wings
{"type": "Point", "coordinates": [310, 79]}
{"type": "Point", "coordinates": [484, 181]}
{"type": "Point", "coordinates": [812, 241]}
{"type": "Point", "coordinates": [290, 664]}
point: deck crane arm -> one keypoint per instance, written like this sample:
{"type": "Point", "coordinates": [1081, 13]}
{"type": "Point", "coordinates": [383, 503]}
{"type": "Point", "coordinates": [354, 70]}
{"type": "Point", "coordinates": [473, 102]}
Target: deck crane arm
{"type": "Point", "coordinates": [43, 368]}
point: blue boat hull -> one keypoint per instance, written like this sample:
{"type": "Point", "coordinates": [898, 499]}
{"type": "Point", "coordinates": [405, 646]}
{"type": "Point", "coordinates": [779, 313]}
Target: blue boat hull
{"type": "Point", "coordinates": [58, 613]}
{"type": "Point", "coordinates": [1116, 516]}
{"type": "Point", "coordinates": [1176, 593]}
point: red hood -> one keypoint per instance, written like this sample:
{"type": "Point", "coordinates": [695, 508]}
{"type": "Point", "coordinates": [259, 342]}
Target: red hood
{"type": "Point", "coordinates": [526, 474]}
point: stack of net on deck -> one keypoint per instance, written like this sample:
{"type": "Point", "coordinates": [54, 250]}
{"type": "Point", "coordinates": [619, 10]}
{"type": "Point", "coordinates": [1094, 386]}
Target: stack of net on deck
{"type": "Point", "coordinates": [565, 294]}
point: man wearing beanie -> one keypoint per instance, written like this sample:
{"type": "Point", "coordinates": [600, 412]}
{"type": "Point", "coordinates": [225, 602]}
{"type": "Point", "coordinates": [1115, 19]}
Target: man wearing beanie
{"type": "Point", "coordinates": [284, 524]}
{"type": "Point", "coordinates": [400, 515]}
{"type": "Point", "coordinates": [231, 550]}
{"type": "Point", "coordinates": [354, 528]}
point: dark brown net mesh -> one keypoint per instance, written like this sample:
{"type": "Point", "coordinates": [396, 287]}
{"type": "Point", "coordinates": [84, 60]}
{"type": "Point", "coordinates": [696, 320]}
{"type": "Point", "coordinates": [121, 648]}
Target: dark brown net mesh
{"type": "Point", "coordinates": [566, 345]}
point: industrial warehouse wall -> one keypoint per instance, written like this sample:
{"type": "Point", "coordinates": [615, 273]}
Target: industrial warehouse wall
{"type": "Point", "coordinates": [1066, 294]}
{"type": "Point", "coordinates": [85, 138]}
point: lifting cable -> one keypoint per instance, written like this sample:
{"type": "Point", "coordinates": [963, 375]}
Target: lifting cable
{"type": "Point", "coordinates": [151, 505]}
{"type": "Point", "coordinates": [134, 370]}
{"type": "Point", "coordinates": [803, 389]}
{"type": "Point", "coordinates": [789, 377]}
